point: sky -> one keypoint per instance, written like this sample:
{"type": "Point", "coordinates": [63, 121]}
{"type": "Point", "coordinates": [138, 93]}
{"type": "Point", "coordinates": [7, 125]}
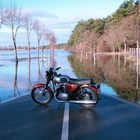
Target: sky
{"type": "Point", "coordinates": [59, 16]}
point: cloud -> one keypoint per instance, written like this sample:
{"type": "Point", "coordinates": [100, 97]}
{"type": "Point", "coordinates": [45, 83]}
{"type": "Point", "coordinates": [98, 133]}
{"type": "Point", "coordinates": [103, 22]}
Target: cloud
{"type": "Point", "coordinates": [38, 13]}
{"type": "Point", "coordinates": [61, 26]}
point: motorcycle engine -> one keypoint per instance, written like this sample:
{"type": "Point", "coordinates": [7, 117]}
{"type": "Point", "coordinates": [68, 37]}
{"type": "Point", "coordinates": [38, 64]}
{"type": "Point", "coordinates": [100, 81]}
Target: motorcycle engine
{"type": "Point", "coordinates": [61, 94]}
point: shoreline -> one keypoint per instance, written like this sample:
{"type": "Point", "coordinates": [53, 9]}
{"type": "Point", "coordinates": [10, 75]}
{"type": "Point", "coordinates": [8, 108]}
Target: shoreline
{"type": "Point", "coordinates": [24, 58]}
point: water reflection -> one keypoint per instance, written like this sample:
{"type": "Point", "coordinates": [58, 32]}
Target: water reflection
{"type": "Point", "coordinates": [26, 84]}
{"type": "Point", "coordinates": [29, 74]}
{"type": "Point", "coordinates": [16, 89]}
{"type": "Point", "coordinates": [84, 122]}
{"type": "Point", "coordinates": [114, 70]}
{"type": "Point", "coordinates": [17, 78]}
{"type": "Point", "coordinates": [52, 59]}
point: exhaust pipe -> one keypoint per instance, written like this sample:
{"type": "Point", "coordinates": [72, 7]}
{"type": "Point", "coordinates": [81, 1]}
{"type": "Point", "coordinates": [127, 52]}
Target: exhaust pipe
{"type": "Point", "coordinates": [83, 101]}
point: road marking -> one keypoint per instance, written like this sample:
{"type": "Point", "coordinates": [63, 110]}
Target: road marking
{"type": "Point", "coordinates": [65, 127]}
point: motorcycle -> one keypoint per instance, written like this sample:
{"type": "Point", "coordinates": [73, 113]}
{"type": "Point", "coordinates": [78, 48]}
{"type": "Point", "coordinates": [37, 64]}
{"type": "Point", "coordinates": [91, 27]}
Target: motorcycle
{"type": "Point", "coordinates": [63, 88]}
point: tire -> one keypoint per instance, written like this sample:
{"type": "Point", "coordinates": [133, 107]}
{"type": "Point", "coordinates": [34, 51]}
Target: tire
{"type": "Point", "coordinates": [87, 106]}
{"type": "Point", "coordinates": [89, 95]}
{"type": "Point", "coordinates": [42, 95]}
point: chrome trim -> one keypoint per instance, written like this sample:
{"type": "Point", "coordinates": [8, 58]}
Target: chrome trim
{"type": "Point", "coordinates": [83, 101]}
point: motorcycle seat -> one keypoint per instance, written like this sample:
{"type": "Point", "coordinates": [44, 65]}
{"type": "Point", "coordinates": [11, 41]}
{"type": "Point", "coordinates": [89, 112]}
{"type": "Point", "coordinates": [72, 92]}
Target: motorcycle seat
{"type": "Point", "coordinates": [82, 81]}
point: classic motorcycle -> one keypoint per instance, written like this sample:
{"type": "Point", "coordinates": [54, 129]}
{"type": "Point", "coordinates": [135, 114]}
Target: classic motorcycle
{"type": "Point", "coordinates": [85, 92]}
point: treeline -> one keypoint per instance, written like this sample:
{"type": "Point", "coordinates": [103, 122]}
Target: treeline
{"type": "Point", "coordinates": [114, 33]}
{"type": "Point", "coordinates": [16, 20]}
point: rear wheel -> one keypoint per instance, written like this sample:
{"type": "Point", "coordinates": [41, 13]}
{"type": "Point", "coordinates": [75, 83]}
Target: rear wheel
{"type": "Point", "coordinates": [88, 95]}
{"type": "Point", "coordinates": [41, 95]}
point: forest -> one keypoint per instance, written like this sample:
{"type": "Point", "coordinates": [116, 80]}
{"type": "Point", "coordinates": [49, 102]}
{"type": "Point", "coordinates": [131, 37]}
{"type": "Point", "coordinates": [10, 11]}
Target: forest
{"type": "Point", "coordinates": [117, 32]}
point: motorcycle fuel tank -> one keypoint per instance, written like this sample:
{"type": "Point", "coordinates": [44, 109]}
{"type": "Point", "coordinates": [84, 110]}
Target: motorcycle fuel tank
{"type": "Point", "coordinates": [71, 87]}
{"type": "Point", "coordinates": [61, 79]}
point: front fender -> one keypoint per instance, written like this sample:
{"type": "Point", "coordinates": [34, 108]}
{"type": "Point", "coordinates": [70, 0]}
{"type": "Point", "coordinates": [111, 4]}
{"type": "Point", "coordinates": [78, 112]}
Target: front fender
{"type": "Point", "coordinates": [38, 85]}
{"type": "Point", "coordinates": [43, 85]}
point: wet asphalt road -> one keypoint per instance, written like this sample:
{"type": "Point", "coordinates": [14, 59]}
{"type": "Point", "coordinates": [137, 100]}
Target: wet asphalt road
{"type": "Point", "coordinates": [111, 119]}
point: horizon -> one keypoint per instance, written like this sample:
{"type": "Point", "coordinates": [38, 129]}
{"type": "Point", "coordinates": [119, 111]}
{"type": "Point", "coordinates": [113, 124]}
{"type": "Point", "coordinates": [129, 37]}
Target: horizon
{"type": "Point", "coordinates": [58, 16]}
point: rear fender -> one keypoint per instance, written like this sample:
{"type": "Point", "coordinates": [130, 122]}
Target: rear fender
{"type": "Point", "coordinates": [96, 90]}
{"type": "Point", "coordinates": [93, 88]}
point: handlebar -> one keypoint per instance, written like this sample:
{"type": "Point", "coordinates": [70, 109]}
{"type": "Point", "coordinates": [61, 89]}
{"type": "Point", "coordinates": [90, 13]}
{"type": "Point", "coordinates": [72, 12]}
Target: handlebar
{"type": "Point", "coordinates": [53, 69]}
{"type": "Point", "coordinates": [58, 68]}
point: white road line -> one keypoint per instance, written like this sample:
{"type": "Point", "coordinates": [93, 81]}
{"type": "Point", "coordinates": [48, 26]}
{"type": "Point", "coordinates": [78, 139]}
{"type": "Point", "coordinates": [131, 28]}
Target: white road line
{"type": "Point", "coordinates": [65, 127]}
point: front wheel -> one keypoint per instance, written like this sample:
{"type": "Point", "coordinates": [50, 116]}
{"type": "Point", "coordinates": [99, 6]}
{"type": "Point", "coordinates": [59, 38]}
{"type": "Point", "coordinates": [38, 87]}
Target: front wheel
{"type": "Point", "coordinates": [41, 95]}
{"type": "Point", "coordinates": [88, 94]}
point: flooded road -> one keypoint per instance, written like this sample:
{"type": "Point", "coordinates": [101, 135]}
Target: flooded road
{"type": "Point", "coordinates": [117, 76]}
{"type": "Point", "coordinates": [112, 118]}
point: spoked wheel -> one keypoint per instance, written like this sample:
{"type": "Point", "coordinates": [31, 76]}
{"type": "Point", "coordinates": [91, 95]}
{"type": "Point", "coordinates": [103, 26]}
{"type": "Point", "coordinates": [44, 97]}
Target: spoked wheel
{"type": "Point", "coordinates": [88, 95]}
{"type": "Point", "coordinates": [41, 95]}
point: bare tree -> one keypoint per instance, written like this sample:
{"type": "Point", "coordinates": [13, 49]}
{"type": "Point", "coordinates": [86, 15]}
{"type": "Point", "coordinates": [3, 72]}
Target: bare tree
{"type": "Point", "coordinates": [28, 25]}
{"type": "Point", "coordinates": [138, 24]}
{"type": "Point", "coordinates": [89, 40]}
{"type": "Point", "coordinates": [2, 9]}
{"type": "Point", "coordinates": [52, 40]}
{"type": "Point", "coordinates": [43, 38]}
{"type": "Point", "coordinates": [52, 44]}
{"type": "Point", "coordinates": [38, 31]}
{"type": "Point", "coordinates": [14, 20]}
{"type": "Point", "coordinates": [47, 35]}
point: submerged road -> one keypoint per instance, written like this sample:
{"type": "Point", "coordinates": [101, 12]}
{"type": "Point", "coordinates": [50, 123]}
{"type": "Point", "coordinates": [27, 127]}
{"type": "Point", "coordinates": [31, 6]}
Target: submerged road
{"type": "Point", "coordinates": [111, 119]}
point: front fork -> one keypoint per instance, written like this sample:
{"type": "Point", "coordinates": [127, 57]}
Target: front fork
{"type": "Point", "coordinates": [51, 85]}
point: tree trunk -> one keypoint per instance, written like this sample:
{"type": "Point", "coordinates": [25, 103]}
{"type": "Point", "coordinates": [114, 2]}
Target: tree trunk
{"type": "Point", "coordinates": [15, 80]}
{"type": "Point", "coordinates": [15, 45]}
{"type": "Point", "coordinates": [29, 54]}
{"type": "Point", "coordinates": [137, 50]}
{"type": "Point", "coordinates": [137, 69]}
{"type": "Point", "coordinates": [38, 47]}
{"type": "Point", "coordinates": [125, 46]}
{"type": "Point", "coordinates": [29, 74]}
{"type": "Point", "coordinates": [114, 48]}
{"type": "Point", "coordinates": [15, 48]}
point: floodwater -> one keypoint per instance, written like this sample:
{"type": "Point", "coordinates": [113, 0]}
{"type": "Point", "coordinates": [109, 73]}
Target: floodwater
{"type": "Point", "coordinates": [117, 76]}
{"type": "Point", "coordinates": [17, 79]}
